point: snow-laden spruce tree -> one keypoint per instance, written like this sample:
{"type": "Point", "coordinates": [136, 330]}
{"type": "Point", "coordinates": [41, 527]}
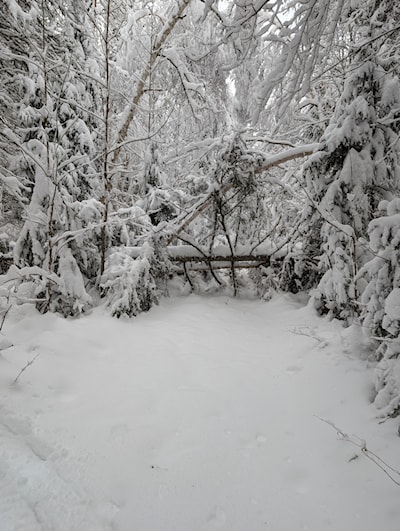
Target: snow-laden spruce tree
{"type": "Point", "coordinates": [14, 47]}
{"type": "Point", "coordinates": [381, 305]}
{"type": "Point", "coordinates": [357, 166]}
{"type": "Point", "coordinates": [50, 127]}
{"type": "Point", "coordinates": [132, 284]}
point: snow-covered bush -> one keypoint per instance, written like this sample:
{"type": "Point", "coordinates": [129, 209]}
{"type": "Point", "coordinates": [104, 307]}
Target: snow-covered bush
{"type": "Point", "coordinates": [69, 295]}
{"type": "Point", "coordinates": [64, 292]}
{"type": "Point", "coordinates": [133, 285]}
{"type": "Point", "coordinates": [128, 285]}
{"type": "Point", "coordinates": [264, 281]}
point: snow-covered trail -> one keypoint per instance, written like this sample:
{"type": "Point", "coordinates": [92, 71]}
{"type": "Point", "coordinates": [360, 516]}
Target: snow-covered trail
{"type": "Point", "coordinates": [199, 415]}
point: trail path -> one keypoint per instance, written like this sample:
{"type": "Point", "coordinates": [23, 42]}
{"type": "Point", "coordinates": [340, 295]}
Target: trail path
{"type": "Point", "coordinates": [200, 415]}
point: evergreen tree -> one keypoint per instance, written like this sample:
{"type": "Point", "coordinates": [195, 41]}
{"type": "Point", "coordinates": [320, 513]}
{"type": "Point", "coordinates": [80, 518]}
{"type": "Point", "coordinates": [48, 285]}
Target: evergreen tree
{"type": "Point", "coordinates": [54, 146]}
{"type": "Point", "coordinates": [357, 166]}
{"type": "Point", "coordinates": [381, 304]}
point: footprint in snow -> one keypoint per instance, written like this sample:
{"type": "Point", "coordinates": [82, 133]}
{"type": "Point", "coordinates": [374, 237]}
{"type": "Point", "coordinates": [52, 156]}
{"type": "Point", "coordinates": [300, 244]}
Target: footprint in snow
{"type": "Point", "coordinates": [217, 518]}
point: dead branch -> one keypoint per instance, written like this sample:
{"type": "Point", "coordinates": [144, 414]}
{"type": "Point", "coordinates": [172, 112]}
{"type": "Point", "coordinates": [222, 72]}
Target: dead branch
{"type": "Point", "coordinates": [25, 367]}
{"type": "Point", "coordinates": [197, 210]}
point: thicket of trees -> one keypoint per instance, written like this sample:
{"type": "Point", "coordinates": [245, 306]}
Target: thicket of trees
{"type": "Point", "coordinates": [147, 140]}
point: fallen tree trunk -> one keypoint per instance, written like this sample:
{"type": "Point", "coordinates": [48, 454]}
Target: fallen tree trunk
{"type": "Point", "coordinates": [221, 253]}
{"type": "Point", "coordinates": [215, 258]}
{"type": "Point", "coordinates": [201, 268]}
{"type": "Point", "coordinates": [219, 258]}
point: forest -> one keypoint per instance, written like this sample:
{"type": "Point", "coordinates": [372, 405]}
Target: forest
{"type": "Point", "coordinates": [238, 146]}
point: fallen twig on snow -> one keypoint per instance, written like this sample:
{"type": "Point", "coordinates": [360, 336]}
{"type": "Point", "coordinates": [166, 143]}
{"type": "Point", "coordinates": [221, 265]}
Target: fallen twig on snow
{"type": "Point", "coordinates": [25, 367]}
{"type": "Point", "coordinates": [5, 311]}
{"type": "Point", "coordinates": [362, 445]}
{"type": "Point", "coordinates": [309, 332]}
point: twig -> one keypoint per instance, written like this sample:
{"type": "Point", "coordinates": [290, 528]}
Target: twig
{"type": "Point", "coordinates": [362, 445]}
{"type": "Point", "coordinates": [309, 332]}
{"type": "Point", "coordinates": [25, 367]}
{"type": "Point", "coordinates": [5, 313]}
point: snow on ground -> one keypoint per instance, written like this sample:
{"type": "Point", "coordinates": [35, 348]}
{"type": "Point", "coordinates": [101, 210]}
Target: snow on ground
{"type": "Point", "coordinates": [200, 415]}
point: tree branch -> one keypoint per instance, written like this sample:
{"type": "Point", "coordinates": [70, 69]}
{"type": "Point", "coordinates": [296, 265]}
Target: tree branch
{"type": "Point", "coordinates": [274, 160]}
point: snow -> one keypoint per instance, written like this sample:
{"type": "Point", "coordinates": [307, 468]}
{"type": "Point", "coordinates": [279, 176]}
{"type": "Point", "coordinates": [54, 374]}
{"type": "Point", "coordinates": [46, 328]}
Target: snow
{"type": "Point", "coordinates": [392, 307]}
{"type": "Point", "coordinates": [199, 415]}
{"type": "Point", "coordinates": [290, 153]}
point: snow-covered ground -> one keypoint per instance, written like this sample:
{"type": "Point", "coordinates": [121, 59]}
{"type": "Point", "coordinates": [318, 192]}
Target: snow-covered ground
{"type": "Point", "coordinates": [200, 415]}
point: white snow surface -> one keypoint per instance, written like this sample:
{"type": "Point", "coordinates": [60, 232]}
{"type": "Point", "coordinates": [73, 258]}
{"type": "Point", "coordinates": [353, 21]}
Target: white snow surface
{"type": "Point", "coordinates": [199, 415]}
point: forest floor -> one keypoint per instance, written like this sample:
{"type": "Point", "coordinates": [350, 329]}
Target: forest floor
{"type": "Point", "coordinates": [203, 414]}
